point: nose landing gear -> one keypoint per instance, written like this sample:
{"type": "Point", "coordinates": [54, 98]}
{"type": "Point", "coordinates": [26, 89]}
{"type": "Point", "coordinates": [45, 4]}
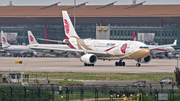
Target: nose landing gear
{"type": "Point", "coordinates": [138, 64]}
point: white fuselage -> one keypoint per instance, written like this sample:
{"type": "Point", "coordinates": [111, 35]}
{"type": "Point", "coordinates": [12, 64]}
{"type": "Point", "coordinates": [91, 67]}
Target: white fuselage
{"type": "Point", "coordinates": [161, 50]}
{"type": "Point", "coordinates": [17, 49]}
{"type": "Point", "coordinates": [119, 49]}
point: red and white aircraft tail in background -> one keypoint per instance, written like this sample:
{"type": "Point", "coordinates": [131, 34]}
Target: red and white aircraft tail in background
{"type": "Point", "coordinates": [16, 50]}
{"type": "Point", "coordinates": [134, 36]}
{"type": "Point", "coordinates": [167, 49]}
{"type": "Point", "coordinates": [33, 43]}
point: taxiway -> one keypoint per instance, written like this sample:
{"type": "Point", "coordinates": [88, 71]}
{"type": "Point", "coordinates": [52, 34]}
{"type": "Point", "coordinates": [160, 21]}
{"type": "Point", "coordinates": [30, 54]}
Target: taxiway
{"type": "Point", "coordinates": [74, 65]}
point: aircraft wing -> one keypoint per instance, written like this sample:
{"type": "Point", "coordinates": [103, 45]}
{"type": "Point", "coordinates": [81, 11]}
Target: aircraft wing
{"type": "Point", "coordinates": [161, 46]}
{"type": "Point", "coordinates": [75, 50]}
{"type": "Point", "coordinates": [58, 41]}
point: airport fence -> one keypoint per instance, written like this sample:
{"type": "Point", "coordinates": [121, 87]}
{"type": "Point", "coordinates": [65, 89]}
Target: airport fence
{"type": "Point", "coordinates": [86, 93]}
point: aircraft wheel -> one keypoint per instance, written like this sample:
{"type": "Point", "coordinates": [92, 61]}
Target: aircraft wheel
{"type": "Point", "coordinates": [120, 64]}
{"type": "Point", "coordinates": [123, 63]}
{"type": "Point", "coordinates": [85, 64]}
{"type": "Point", "coordinates": [138, 65]}
{"type": "Point", "coordinates": [116, 63]}
{"type": "Point", "coordinates": [89, 64]}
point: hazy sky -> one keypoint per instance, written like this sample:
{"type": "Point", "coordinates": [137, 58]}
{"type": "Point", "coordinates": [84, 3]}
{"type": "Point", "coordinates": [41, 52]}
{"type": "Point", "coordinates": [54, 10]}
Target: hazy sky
{"type": "Point", "coordinates": [91, 2]}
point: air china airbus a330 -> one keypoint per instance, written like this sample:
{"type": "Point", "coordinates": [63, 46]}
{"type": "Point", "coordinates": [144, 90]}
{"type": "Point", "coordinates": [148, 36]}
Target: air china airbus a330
{"type": "Point", "coordinates": [93, 49]}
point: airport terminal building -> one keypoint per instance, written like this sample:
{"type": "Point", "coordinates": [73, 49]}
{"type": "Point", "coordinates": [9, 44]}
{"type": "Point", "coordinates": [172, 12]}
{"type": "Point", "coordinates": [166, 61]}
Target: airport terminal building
{"type": "Point", "coordinates": [115, 22]}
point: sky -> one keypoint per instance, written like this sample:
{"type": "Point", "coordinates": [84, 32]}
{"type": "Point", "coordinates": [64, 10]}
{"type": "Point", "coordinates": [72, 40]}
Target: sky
{"type": "Point", "coordinates": [91, 2]}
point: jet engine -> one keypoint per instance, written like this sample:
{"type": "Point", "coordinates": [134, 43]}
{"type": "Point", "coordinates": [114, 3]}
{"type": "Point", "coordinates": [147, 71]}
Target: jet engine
{"type": "Point", "coordinates": [145, 60]}
{"type": "Point", "coordinates": [35, 53]}
{"type": "Point", "coordinates": [32, 53]}
{"type": "Point", "coordinates": [169, 54]}
{"type": "Point", "coordinates": [88, 58]}
{"type": "Point", "coordinates": [48, 51]}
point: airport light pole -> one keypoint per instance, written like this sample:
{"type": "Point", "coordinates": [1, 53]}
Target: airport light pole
{"type": "Point", "coordinates": [74, 14]}
{"type": "Point", "coordinates": [177, 61]}
{"type": "Point", "coordinates": [177, 56]}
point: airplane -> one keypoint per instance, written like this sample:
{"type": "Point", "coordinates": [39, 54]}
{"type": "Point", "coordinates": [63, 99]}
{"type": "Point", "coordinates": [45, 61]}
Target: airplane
{"type": "Point", "coordinates": [93, 49]}
{"type": "Point", "coordinates": [33, 43]}
{"type": "Point", "coordinates": [167, 49]}
{"type": "Point", "coordinates": [16, 50]}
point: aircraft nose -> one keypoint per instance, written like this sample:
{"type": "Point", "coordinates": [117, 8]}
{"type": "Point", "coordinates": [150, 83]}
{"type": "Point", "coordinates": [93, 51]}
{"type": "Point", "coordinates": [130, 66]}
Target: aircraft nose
{"type": "Point", "coordinates": [142, 53]}
{"type": "Point", "coordinates": [145, 52]}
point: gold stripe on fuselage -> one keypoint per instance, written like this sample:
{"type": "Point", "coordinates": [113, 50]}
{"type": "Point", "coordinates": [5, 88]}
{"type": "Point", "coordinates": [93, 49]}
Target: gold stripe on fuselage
{"type": "Point", "coordinates": [136, 55]}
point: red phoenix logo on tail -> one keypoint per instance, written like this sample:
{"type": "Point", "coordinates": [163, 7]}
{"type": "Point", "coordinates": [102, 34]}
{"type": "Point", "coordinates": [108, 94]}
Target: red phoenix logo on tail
{"type": "Point", "coordinates": [4, 40]}
{"type": "Point", "coordinates": [123, 48]}
{"type": "Point", "coordinates": [66, 26]}
{"type": "Point", "coordinates": [31, 38]}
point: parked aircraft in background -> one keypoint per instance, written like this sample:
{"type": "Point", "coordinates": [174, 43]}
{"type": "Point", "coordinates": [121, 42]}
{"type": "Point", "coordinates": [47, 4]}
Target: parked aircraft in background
{"type": "Point", "coordinates": [33, 43]}
{"type": "Point", "coordinates": [166, 50]}
{"type": "Point", "coordinates": [91, 49]}
{"type": "Point", "coordinates": [16, 50]}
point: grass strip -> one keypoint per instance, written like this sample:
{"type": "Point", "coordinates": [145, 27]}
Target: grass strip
{"type": "Point", "coordinates": [99, 76]}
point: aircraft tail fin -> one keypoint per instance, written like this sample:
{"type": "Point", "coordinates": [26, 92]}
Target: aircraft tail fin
{"type": "Point", "coordinates": [175, 42]}
{"type": "Point", "coordinates": [68, 27]}
{"type": "Point", "coordinates": [31, 38]}
{"type": "Point", "coordinates": [5, 44]}
{"type": "Point", "coordinates": [134, 36]}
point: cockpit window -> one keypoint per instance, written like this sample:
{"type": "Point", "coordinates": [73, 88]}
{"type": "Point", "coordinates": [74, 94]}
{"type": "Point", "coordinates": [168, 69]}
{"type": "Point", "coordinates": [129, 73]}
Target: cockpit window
{"type": "Point", "coordinates": [143, 47]}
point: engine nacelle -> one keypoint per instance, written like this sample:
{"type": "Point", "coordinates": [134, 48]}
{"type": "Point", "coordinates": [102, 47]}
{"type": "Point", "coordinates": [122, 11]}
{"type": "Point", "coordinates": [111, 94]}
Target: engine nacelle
{"type": "Point", "coordinates": [145, 60]}
{"type": "Point", "coordinates": [88, 58]}
{"type": "Point", "coordinates": [169, 54]}
{"type": "Point", "coordinates": [48, 51]}
{"type": "Point", "coordinates": [35, 53]}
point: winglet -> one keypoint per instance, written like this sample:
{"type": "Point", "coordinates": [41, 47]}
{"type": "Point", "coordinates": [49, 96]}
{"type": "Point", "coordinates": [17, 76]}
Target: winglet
{"type": "Point", "coordinates": [175, 42]}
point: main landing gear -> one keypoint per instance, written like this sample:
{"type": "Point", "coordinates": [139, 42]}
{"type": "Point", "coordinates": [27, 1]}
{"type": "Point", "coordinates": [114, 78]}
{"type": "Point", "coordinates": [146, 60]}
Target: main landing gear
{"type": "Point", "coordinates": [85, 64]}
{"type": "Point", "coordinates": [120, 63]}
